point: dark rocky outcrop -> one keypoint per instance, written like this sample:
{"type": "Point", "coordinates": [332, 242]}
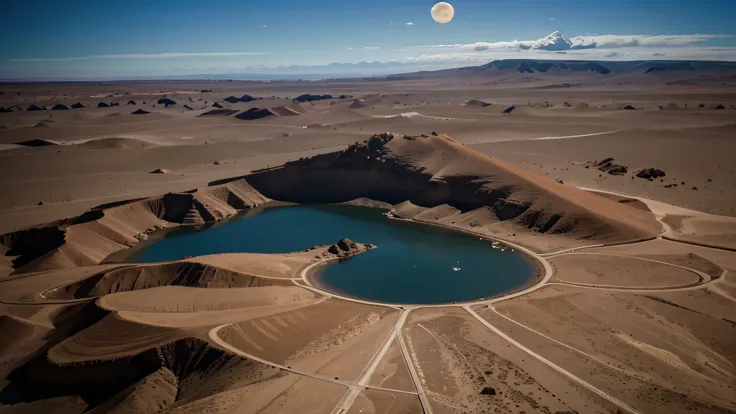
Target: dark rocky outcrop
{"type": "Point", "coordinates": [77, 105]}
{"type": "Point", "coordinates": [608, 166]}
{"type": "Point", "coordinates": [35, 108]}
{"type": "Point", "coordinates": [650, 173]}
{"type": "Point", "coordinates": [59, 107]}
{"type": "Point", "coordinates": [217, 105]}
{"type": "Point", "coordinates": [231, 99]}
{"type": "Point", "coordinates": [247, 98]}
{"type": "Point", "coordinates": [509, 109]}
{"type": "Point", "coordinates": [344, 248]}
{"type": "Point", "coordinates": [139, 112]}
{"type": "Point", "coordinates": [102, 105]}
{"type": "Point", "coordinates": [629, 108]}
{"type": "Point", "coordinates": [130, 103]}
{"type": "Point", "coordinates": [488, 391]}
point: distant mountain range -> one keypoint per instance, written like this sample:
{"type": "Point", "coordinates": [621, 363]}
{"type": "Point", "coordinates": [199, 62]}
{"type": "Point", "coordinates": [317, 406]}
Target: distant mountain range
{"type": "Point", "coordinates": [560, 66]}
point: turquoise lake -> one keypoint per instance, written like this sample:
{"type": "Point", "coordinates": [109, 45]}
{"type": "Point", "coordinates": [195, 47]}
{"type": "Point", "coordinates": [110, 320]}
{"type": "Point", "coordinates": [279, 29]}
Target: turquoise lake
{"type": "Point", "coordinates": [413, 264]}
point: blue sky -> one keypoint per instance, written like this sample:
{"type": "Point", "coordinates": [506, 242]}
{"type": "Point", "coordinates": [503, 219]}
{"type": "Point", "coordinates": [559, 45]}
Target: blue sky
{"type": "Point", "coordinates": [163, 37]}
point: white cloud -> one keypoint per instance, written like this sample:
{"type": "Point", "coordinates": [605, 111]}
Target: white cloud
{"type": "Point", "coordinates": [349, 48]}
{"type": "Point", "coordinates": [139, 56]}
{"type": "Point", "coordinates": [372, 48]}
{"type": "Point", "coordinates": [551, 18]}
{"type": "Point", "coordinates": [611, 41]}
{"type": "Point", "coordinates": [410, 23]}
{"type": "Point", "coordinates": [599, 42]}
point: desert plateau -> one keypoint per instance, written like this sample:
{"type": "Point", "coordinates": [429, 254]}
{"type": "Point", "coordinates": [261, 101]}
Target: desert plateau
{"type": "Point", "coordinates": [522, 236]}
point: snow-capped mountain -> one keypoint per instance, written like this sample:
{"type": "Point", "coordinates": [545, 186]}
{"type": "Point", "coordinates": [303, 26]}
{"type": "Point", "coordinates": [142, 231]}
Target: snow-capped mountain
{"type": "Point", "coordinates": [557, 42]}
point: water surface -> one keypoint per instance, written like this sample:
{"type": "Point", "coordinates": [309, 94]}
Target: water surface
{"type": "Point", "coordinates": [414, 263]}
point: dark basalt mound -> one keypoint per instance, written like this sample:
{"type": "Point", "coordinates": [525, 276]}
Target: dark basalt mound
{"type": "Point", "coordinates": [139, 112]}
{"type": "Point", "coordinates": [130, 103]}
{"type": "Point", "coordinates": [231, 99]}
{"type": "Point", "coordinates": [248, 98]}
{"type": "Point", "coordinates": [509, 109]}
{"type": "Point", "coordinates": [166, 102]}
{"type": "Point", "coordinates": [629, 108]}
{"type": "Point", "coordinates": [35, 108]}
{"type": "Point", "coordinates": [309, 97]}
{"type": "Point", "coordinates": [36, 143]}
{"type": "Point", "coordinates": [59, 107]}
{"type": "Point", "coordinates": [77, 105]}
{"type": "Point", "coordinates": [217, 105]}
{"type": "Point", "coordinates": [5, 110]}
{"type": "Point", "coordinates": [102, 105]}
{"type": "Point", "coordinates": [719, 106]}
{"type": "Point", "coordinates": [253, 114]}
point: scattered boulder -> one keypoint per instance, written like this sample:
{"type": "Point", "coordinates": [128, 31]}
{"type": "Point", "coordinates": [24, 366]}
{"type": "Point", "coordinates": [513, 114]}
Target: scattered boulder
{"type": "Point", "coordinates": [40, 203]}
{"type": "Point", "coordinates": [566, 104]}
{"type": "Point", "coordinates": [216, 105]}
{"type": "Point", "coordinates": [131, 103]}
{"type": "Point", "coordinates": [247, 98]}
{"type": "Point", "coordinates": [160, 171]}
{"type": "Point", "coordinates": [77, 105]}
{"type": "Point", "coordinates": [701, 106]}
{"type": "Point", "coordinates": [509, 109]}
{"type": "Point", "coordinates": [139, 112]}
{"type": "Point", "coordinates": [114, 103]}
{"type": "Point", "coordinates": [35, 108]}
{"type": "Point", "coordinates": [4, 110]}
{"type": "Point", "coordinates": [629, 108]}
{"type": "Point", "coordinates": [232, 99]}
{"type": "Point", "coordinates": [650, 173]}
{"type": "Point", "coordinates": [434, 133]}
{"type": "Point", "coordinates": [719, 106]}
{"type": "Point", "coordinates": [59, 107]}
{"type": "Point", "coordinates": [102, 105]}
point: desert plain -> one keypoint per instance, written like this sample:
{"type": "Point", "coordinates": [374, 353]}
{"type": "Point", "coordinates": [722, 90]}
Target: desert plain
{"type": "Point", "coordinates": [633, 309]}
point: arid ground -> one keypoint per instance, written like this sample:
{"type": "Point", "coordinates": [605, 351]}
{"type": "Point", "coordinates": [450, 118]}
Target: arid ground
{"type": "Point", "coordinates": [634, 309]}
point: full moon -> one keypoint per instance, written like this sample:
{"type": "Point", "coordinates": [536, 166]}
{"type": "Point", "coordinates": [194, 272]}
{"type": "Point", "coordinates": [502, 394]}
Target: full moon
{"type": "Point", "coordinates": [443, 12]}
